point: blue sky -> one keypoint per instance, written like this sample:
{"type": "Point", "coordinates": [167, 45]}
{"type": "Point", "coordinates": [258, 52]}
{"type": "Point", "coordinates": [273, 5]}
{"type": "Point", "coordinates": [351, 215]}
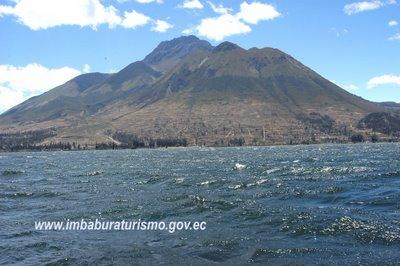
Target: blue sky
{"type": "Point", "coordinates": [44, 43]}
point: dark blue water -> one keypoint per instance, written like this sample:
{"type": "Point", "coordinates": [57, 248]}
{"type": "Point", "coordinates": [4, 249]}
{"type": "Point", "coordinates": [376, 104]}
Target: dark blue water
{"type": "Point", "coordinates": [328, 204]}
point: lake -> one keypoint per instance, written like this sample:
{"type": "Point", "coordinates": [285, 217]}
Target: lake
{"type": "Point", "coordinates": [317, 204]}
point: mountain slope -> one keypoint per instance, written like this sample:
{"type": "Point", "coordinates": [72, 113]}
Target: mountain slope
{"type": "Point", "coordinates": [61, 99]}
{"type": "Point", "coordinates": [391, 106]}
{"type": "Point", "coordinates": [267, 73]}
{"type": "Point", "coordinates": [187, 89]}
{"type": "Point", "coordinates": [88, 93]}
{"type": "Point", "coordinates": [259, 95]}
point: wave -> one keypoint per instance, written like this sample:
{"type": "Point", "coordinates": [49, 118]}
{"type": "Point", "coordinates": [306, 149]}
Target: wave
{"type": "Point", "coordinates": [29, 194]}
{"type": "Point", "coordinates": [365, 231]}
{"type": "Point", "coordinates": [390, 174]}
{"type": "Point", "coordinates": [12, 172]}
{"type": "Point", "coordinates": [261, 254]}
{"type": "Point", "coordinates": [92, 173]}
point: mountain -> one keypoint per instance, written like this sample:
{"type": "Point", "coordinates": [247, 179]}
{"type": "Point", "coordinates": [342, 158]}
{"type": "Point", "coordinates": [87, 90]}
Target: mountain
{"type": "Point", "coordinates": [386, 123]}
{"type": "Point", "coordinates": [55, 102]}
{"type": "Point", "coordinates": [188, 90]}
{"type": "Point", "coordinates": [392, 106]}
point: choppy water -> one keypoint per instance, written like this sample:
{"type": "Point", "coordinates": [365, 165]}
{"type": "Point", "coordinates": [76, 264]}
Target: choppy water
{"type": "Point", "coordinates": [336, 204]}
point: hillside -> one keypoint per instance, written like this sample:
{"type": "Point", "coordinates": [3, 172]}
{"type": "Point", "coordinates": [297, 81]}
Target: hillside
{"type": "Point", "coordinates": [391, 106]}
{"type": "Point", "coordinates": [188, 90]}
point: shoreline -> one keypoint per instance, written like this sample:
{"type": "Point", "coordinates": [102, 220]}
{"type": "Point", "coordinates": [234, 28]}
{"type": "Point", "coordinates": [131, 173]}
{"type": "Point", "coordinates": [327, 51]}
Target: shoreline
{"type": "Point", "coordinates": [207, 147]}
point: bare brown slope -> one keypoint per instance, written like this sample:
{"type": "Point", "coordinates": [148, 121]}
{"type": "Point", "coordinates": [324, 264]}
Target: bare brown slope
{"type": "Point", "coordinates": [261, 95]}
{"type": "Point", "coordinates": [211, 97]}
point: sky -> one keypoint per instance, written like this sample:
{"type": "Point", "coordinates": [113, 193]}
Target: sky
{"type": "Point", "coordinates": [44, 43]}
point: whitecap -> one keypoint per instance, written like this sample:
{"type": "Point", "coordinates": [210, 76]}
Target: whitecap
{"type": "Point", "coordinates": [258, 182]}
{"type": "Point", "coordinates": [236, 186]}
{"type": "Point", "coordinates": [239, 166]}
{"type": "Point", "coordinates": [273, 170]}
{"type": "Point", "coordinates": [207, 182]}
{"type": "Point", "coordinates": [326, 169]}
{"type": "Point", "coordinates": [179, 180]}
{"type": "Point", "coordinates": [261, 181]}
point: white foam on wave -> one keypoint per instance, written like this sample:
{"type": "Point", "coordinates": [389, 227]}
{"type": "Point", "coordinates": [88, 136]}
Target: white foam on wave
{"type": "Point", "coordinates": [256, 183]}
{"type": "Point", "coordinates": [239, 166]}
{"type": "Point", "coordinates": [261, 181]}
{"type": "Point", "coordinates": [179, 180]}
{"type": "Point", "coordinates": [205, 183]}
{"type": "Point", "coordinates": [273, 170]}
{"type": "Point", "coordinates": [326, 169]}
{"type": "Point", "coordinates": [298, 170]}
{"type": "Point", "coordinates": [236, 186]}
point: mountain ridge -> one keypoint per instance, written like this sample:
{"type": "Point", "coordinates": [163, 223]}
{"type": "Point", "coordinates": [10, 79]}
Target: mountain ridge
{"type": "Point", "coordinates": [188, 89]}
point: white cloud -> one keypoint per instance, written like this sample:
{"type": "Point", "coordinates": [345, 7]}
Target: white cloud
{"type": "Point", "coordinates": [134, 19]}
{"type": "Point", "coordinates": [225, 25]}
{"type": "Point", "coordinates": [189, 31]}
{"type": "Point", "coordinates": [20, 83]}
{"type": "Point", "coordinates": [6, 10]}
{"type": "Point", "coordinates": [219, 9]}
{"type": "Point", "coordinates": [44, 14]}
{"type": "Point", "coordinates": [86, 68]}
{"type": "Point", "coordinates": [161, 26]}
{"type": "Point", "coordinates": [9, 98]}
{"type": "Point", "coordinates": [395, 37]}
{"type": "Point", "coordinates": [256, 12]}
{"type": "Point", "coordinates": [150, 1]}
{"type": "Point", "coordinates": [221, 27]}
{"type": "Point", "coordinates": [393, 23]}
{"type": "Point", "coordinates": [384, 80]}
{"type": "Point", "coordinates": [191, 4]}
{"type": "Point", "coordinates": [348, 87]}
{"type": "Point", "coordinates": [358, 7]}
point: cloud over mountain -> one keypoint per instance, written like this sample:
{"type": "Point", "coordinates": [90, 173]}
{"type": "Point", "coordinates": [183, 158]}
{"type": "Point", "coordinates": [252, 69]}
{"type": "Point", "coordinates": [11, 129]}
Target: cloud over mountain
{"type": "Point", "coordinates": [161, 26]}
{"type": "Point", "coordinates": [20, 83]}
{"type": "Point", "coordinates": [227, 24]}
